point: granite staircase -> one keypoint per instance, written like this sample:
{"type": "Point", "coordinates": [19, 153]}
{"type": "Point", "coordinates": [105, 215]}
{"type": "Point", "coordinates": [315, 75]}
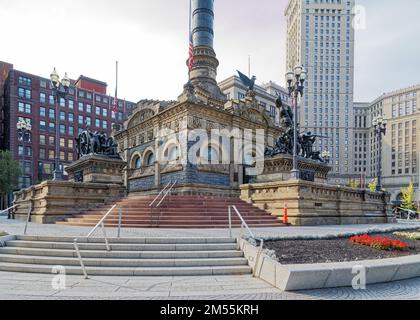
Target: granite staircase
{"type": "Point", "coordinates": [176, 212]}
{"type": "Point", "coordinates": [128, 256]}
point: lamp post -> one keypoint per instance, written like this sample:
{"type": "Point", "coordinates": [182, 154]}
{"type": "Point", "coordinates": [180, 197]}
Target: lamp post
{"type": "Point", "coordinates": [379, 125]}
{"type": "Point", "coordinates": [24, 131]}
{"type": "Point", "coordinates": [326, 155]}
{"type": "Point", "coordinates": [59, 90]}
{"type": "Point", "coordinates": [295, 81]}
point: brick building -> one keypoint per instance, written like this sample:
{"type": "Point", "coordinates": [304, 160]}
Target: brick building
{"type": "Point", "coordinates": [29, 97]}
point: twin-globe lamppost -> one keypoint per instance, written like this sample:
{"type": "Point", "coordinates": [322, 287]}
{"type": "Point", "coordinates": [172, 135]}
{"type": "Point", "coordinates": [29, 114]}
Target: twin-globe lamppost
{"type": "Point", "coordinates": [379, 125]}
{"type": "Point", "coordinates": [24, 132]}
{"type": "Point", "coordinates": [295, 82]}
{"type": "Point", "coordinates": [59, 90]}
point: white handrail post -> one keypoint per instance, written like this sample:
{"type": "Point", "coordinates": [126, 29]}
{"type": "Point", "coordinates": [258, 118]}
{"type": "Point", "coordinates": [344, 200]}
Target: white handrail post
{"type": "Point", "coordinates": [257, 260]}
{"type": "Point", "coordinates": [108, 248]}
{"type": "Point", "coordinates": [119, 221]}
{"type": "Point", "coordinates": [27, 219]}
{"type": "Point", "coordinates": [76, 246]}
{"type": "Point", "coordinates": [230, 222]}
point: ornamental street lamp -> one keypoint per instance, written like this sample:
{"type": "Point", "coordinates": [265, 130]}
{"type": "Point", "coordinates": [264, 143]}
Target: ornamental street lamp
{"type": "Point", "coordinates": [379, 125]}
{"type": "Point", "coordinates": [295, 81]}
{"type": "Point", "coordinates": [24, 133]}
{"type": "Point", "coordinates": [326, 155]}
{"type": "Point", "coordinates": [59, 90]}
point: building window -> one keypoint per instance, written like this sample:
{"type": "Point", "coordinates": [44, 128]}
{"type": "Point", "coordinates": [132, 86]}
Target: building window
{"type": "Point", "coordinates": [62, 115]}
{"type": "Point", "coordinates": [105, 112]}
{"type": "Point", "coordinates": [25, 81]}
{"type": "Point", "coordinates": [81, 120]}
{"type": "Point", "coordinates": [42, 97]}
{"type": "Point", "coordinates": [24, 93]}
{"type": "Point", "coordinates": [88, 108]}
{"type": "Point", "coordinates": [71, 104]}
{"type": "Point", "coordinates": [51, 100]}
{"type": "Point", "coordinates": [42, 139]}
{"type": "Point", "coordinates": [81, 106]}
{"type": "Point", "coordinates": [51, 154]}
{"type": "Point", "coordinates": [51, 113]}
{"type": "Point", "coordinates": [24, 107]}
{"type": "Point", "coordinates": [42, 125]}
{"type": "Point", "coordinates": [71, 117]}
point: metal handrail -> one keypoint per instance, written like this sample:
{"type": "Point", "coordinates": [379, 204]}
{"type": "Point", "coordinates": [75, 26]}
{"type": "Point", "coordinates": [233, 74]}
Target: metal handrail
{"type": "Point", "coordinates": [166, 194]}
{"type": "Point", "coordinates": [8, 209]}
{"type": "Point", "coordinates": [244, 224]}
{"type": "Point", "coordinates": [99, 224]}
{"type": "Point", "coordinates": [165, 191]}
{"type": "Point", "coordinates": [160, 193]}
{"type": "Point", "coordinates": [415, 213]}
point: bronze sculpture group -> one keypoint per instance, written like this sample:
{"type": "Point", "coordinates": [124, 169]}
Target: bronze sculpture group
{"type": "Point", "coordinates": [95, 143]}
{"type": "Point", "coordinates": [285, 142]}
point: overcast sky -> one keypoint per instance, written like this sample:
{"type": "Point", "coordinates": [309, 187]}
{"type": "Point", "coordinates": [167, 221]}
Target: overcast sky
{"type": "Point", "coordinates": [149, 38]}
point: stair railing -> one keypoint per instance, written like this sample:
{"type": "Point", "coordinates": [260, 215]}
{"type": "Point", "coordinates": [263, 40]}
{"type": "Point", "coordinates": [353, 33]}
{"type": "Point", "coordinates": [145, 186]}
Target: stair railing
{"type": "Point", "coordinates": [252, 235]}
{"type": "Point", "coordinates": [164, 193]}
{"type": "Point", "coordinates": [102, 225]}
{"type": "Point", "coordinates": [7, 210]}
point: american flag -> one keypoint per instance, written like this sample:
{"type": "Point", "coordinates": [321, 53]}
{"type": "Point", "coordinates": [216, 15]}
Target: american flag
{"type": "Point", "coordinates": [191, 47]}
{"type": "Point", "coordinates": [191, 53]}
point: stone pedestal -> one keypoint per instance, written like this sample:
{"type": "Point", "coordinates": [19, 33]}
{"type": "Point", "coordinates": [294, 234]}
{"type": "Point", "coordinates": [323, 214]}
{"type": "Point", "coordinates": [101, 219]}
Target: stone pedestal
{"type": "Point", "coordinates": [54, 200]}
{"type": "Point", "coordinates": [97, 169]}
{"type": "Point", "coordinates": [279, 168]}
{"type": "Point", "coordinates": [310, 200]}
{"type": "Point", "coordinates": [311, 203]}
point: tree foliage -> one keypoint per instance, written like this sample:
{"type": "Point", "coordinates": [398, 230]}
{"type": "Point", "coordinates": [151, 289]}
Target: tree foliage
{"type": "Point", "coordinates": [408, 195]}
{"type": "Point", "coordinates": [373, 185]}
{"type": "Point", "coordinates": [9, 173]}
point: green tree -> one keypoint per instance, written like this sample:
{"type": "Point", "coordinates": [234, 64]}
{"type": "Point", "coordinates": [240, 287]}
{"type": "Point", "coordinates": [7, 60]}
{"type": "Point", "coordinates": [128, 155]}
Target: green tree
{"type": "Point", "coordinates": [9, 173]}
{"type": "Point", "coordinates": [354, 184]}
{"type": "Point", "coordinates": [408, 197]}
{"type": "Point", "coordinates": [373, 185]}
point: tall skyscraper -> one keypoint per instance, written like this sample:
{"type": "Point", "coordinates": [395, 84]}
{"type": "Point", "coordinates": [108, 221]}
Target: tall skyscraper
{"type": "Point", "coordinates": [320, 36]}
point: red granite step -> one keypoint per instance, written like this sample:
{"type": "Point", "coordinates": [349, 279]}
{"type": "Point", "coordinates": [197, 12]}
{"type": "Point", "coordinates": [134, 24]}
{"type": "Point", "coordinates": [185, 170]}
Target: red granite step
{"type": "Point", "coordinates": [177, 212]}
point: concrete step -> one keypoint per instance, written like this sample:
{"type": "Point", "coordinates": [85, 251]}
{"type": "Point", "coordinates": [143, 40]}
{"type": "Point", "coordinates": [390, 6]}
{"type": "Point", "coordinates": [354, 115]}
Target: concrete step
{"type": "Point", "coordinates": [137, 263]}
{"type": "Point", "coordinates": [157, 240]}
{"type": "Point", "coordinates": [122, 254]}
{"type": "Point", "coordinates": [130, 271]}
{"type": "Point", "coordinates": [165, 220]}
{"type": "Point", "coordinates": [175, 226]}
{"type": "Point", "coordinates": [123, 247]}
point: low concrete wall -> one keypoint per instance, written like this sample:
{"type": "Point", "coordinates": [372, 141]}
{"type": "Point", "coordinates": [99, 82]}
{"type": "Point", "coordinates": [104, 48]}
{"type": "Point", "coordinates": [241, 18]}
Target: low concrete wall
{"type": "Point", "coordinates": [329, 275]}
{"type": "Point", "coordinates": [312, 203]}
{"type": "Point", "coordinates": [54, 200]}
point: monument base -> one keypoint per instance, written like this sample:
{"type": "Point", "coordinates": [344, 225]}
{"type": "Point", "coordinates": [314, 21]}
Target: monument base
{"type": "Point", "coordinates": [51, 201]}
{"type": "Point", "coordinates": [311, 203]}
{"type": "Point", "coordinates": [97, 169]}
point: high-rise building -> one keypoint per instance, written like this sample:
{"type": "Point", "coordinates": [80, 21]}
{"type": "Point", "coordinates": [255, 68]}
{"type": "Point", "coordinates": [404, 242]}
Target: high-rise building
{"type": "Point", "coordinates": [320, 36]}
{"type": "Point", "coordinates": [400, 145]}
{"type": "Point", "coordinates": [28, 97]}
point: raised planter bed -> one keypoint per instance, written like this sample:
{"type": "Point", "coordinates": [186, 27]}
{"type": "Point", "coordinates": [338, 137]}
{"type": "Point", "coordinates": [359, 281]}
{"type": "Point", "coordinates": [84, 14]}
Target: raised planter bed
{"type": "Point", "coordinates": [335, 250]}
{"type": "Point", "coordinates": [317, 264]}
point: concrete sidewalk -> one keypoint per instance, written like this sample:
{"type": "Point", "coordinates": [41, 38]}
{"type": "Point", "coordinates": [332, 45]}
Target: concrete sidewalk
{"type": "Point", "coordinates": [16, 228]}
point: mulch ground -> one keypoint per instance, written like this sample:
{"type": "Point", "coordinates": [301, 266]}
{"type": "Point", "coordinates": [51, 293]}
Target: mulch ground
{"type": "Point", "coordinates": [335, 250]}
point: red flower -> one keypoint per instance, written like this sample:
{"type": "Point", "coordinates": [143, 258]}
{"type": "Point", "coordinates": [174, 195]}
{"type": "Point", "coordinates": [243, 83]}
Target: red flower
{"type": "Point", "coordinates": [379, 243]}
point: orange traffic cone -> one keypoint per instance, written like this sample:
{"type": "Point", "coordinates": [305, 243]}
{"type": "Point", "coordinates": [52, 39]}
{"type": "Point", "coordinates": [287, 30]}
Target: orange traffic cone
{"type": "Point", "coordinates": [285, 218]}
